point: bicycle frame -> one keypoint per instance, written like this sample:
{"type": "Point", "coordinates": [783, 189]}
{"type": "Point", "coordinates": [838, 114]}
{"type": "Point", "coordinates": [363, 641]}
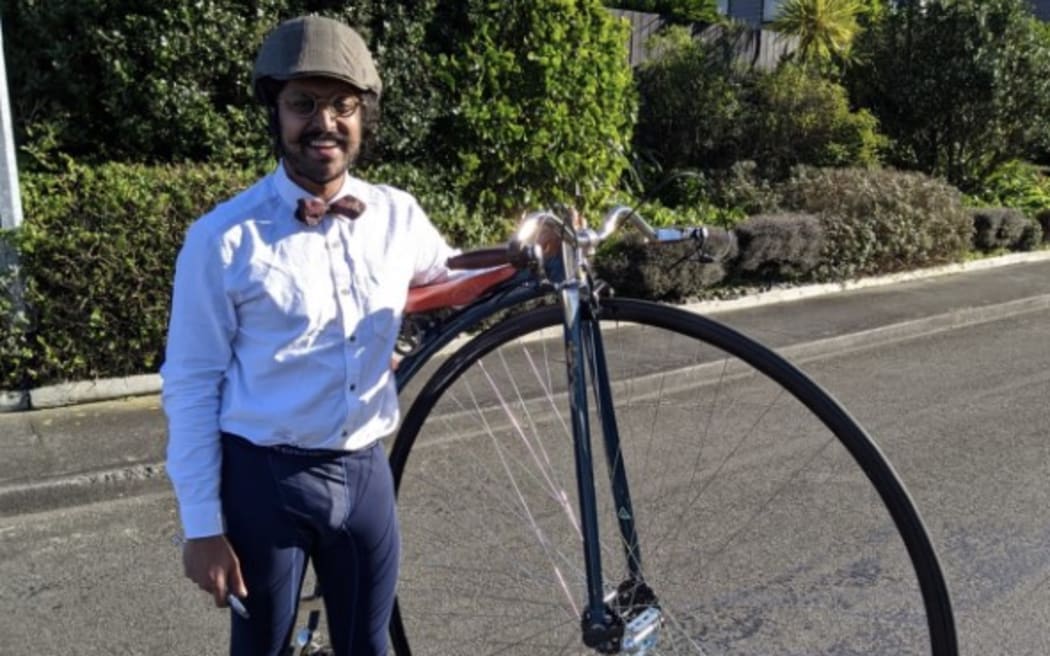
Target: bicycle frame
{"type": "Point", "coordinates": [601, 627]}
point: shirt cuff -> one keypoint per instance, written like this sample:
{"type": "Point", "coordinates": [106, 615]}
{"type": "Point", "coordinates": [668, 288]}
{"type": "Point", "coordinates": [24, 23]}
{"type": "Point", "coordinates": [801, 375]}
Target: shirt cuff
{"type": "Point", "coordinates": [202, 520]}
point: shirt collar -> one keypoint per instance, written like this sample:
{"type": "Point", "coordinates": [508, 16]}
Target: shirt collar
{"type": "Point", "coordinates": [290, 192]}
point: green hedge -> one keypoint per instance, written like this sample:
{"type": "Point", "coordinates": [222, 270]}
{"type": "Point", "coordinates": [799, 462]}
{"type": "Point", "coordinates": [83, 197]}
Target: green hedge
{"type": "Point", "coordinates": [1004, 228]}
{"type": "Point", "coordinates": [880, 221]}
{"type": "Point", "coordinates": [125, 80]}
{"type": "Point", "coordinates": [779, 247]}
{"type": "Point", "coordinates": [97, 254]}
{"type": "Point", "coordinates": [98, 248]}
{"type": "Point", "coordinates": [519, 101]}
{"type": "Point", "coordinates": [541, 104]}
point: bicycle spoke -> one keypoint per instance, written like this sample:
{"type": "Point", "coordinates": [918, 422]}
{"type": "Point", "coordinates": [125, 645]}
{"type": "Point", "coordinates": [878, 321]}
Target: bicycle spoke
{"type": "Point", "coordinates": [757, 531]}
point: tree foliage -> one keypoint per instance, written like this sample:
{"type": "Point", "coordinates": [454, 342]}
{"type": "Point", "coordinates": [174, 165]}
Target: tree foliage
{"type": "Point", "coordinates": [679, 11]}
{"type": "Point", "coordinates": [798, 117]}
{"type": "Point", "coordinates": [691, 103]}
{"type": "Point", "coordinates": [701, 109]}
{"type": "Point", "coordinates": [161, 82]}
{"type": "Point", "coordinates": [960, 86]}
{"type": "Point", "coordinates": [131, 80]}
{"type": "Point", "coordinates": [542, 103]}
{"type": "Point", "coordinates": [825, 28]}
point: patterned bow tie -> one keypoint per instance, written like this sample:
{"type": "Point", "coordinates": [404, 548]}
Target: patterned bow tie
{"type": "Point", "coordinates": [312, 210]}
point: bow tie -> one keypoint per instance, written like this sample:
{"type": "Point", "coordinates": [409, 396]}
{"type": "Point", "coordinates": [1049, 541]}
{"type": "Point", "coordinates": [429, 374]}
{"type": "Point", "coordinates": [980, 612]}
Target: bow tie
{"type": "Point", "coordinates": [312, 210]}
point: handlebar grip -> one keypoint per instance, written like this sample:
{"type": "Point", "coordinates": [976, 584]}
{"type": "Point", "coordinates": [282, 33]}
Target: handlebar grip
{"type": "Point", "coordinates": [482, 258]}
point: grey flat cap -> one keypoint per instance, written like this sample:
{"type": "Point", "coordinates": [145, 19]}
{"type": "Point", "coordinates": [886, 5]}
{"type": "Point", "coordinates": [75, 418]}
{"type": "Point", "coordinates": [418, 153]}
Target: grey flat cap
{"type": "Point", "coordinates": [311, 46]}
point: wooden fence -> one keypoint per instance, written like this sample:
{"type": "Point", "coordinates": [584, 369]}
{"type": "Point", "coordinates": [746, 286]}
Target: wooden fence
{"type": "Point", "coordinates": [756, 47]}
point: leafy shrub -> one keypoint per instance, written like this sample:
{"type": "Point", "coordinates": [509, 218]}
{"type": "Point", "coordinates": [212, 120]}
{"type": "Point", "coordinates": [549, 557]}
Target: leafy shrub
{"type": "Point", "coordinates": [726, 196]}
{"type": "Point", "coordinates": [997, 228]}
{"type": "Point", "coordinates": [742, 188]}
{"type": "Point", "coordinates": [15, 352]}
{"type": "Point", "coordinates": [960, 87]}
{"type": "Point", "coordinates": [798, 117]}
{"type": "Point", "coordinates": [701, 109]}
{"type": "Point", "coordinates": [461, 225]}
{"type": "Point", "coordinates": [779, 246]}
{"type": "Point", "coordinates": [1018, 184]}
{"type": "Point", "coordinates": [690, 107]}
{"type": "Point", "coordinates": [542, 104]}
{"type": "Point", "coordinates": [880, 221]}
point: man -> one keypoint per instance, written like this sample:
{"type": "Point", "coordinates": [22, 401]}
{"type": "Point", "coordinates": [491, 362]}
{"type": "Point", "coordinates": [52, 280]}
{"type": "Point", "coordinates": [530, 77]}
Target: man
{"type": "Point", "coordinates": [277, 381]}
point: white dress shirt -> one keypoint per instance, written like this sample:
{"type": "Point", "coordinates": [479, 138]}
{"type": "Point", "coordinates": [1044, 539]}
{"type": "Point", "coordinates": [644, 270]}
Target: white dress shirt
{"type": "Point", "coordinates": [282, 333]}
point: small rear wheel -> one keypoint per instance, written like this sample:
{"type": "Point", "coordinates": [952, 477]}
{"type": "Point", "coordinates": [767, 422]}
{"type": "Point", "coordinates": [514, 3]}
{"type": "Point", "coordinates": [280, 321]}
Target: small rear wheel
{"type": "Point", "coordinates": [768, 521]}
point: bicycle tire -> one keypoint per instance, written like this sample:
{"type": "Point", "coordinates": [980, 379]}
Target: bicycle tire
{"type": "Point", "coordinates": [453, 552]}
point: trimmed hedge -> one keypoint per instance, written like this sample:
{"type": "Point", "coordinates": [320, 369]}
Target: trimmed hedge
{"type": "Point", "coordinates": [782, 247]}
{"type": "Point", "coordinates": [1043, 219]}
{"type": "Point", "coordinates": [880, 221]}
{"type": "Point", "coordinates": [1004, 228]}
{"type": "Point", "coordinates": [97, 253]}
{"type": "Point", "coordinates": [664, 272]}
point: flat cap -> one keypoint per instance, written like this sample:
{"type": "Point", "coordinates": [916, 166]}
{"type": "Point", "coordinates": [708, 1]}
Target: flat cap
{"type": "Point", "coordinates": [314, 46]}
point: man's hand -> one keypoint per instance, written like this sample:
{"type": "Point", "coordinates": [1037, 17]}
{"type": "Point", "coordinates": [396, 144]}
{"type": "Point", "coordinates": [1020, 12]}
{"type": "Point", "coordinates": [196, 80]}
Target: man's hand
{"type": "Point", "coordinates": [211, 564]}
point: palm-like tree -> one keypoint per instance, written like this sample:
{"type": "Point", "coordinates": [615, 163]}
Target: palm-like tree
{"type": "Point", "coordinates": [825, 28]}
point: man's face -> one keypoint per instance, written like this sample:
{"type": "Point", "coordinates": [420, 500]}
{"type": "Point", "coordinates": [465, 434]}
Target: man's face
{"type": "Point", "coordinates": [320, 132]}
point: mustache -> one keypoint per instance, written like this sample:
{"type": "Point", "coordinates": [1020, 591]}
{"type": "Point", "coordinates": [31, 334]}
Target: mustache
{"type": "Point", "coordinates": [307, 137]}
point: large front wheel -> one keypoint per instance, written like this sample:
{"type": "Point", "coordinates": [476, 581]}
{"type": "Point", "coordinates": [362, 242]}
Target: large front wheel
{"type": "Point", "coordinates": [768, 522]}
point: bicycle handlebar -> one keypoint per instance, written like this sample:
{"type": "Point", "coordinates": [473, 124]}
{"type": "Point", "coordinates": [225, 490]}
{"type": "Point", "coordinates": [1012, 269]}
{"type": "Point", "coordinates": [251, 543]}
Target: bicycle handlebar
{"type": "Point", "coordinates": [525, 247]}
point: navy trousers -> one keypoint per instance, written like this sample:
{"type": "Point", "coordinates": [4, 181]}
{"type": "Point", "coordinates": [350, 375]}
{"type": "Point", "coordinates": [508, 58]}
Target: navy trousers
{"type": "Point", "coordinates": [285, 507]}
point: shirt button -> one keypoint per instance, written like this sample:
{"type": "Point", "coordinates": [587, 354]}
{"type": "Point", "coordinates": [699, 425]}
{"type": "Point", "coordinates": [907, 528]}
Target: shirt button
{"type": "Point", "coordinates": [353, 387]}
{"type": "Point", "coordinates": [353, 338]}
{"type": "Point", "coordinates": [345, 291]}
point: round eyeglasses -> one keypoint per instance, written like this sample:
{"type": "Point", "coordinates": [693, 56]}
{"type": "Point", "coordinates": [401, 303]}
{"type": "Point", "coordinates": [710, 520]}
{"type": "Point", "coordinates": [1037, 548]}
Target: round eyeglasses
{"type": "Point", "coordinates": [304, 105]}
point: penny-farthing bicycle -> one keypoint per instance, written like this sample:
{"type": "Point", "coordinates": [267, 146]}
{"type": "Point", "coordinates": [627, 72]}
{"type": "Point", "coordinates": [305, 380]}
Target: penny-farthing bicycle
{"type": "Point", "coordinates": [606, 475]}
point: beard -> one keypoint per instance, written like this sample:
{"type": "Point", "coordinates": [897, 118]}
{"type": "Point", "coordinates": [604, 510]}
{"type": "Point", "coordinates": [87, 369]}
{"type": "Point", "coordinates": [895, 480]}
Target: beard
{"type": "Point", "coordinates": [323, 170]}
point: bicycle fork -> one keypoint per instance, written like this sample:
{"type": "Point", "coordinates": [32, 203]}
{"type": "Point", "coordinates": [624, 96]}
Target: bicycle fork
{"type": "Point", "coordinates": [629, 619]}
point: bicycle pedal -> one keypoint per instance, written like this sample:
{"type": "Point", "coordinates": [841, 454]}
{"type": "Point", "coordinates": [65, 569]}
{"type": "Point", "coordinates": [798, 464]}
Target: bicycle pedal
{"type": "Point", "coordinates": [640, 634]}
{"type": "Point", "coordinates": [304, 644]}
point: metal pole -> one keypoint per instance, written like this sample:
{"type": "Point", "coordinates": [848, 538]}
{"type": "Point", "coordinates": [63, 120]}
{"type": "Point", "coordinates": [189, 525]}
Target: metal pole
{"type": "Point", "coordinates": [11, 284]}
{"type": "Point", "coordinates": [10, 197]}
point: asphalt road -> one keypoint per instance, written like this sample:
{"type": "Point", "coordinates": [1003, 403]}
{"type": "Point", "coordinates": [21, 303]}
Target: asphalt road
{"type": "Point", "coordinates": [961, 413]}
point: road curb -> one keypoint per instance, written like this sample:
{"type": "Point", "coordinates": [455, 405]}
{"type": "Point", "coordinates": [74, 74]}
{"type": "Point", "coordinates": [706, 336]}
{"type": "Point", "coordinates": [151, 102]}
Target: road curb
{"type": "Point", "coordinates": [81, 489]}
{"type": "Point", "coordinates": [895, 332]}
{"type": "Point", "coordinates": [77, 392]}
{"type": "Point", "coordinates": [803, 292]}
